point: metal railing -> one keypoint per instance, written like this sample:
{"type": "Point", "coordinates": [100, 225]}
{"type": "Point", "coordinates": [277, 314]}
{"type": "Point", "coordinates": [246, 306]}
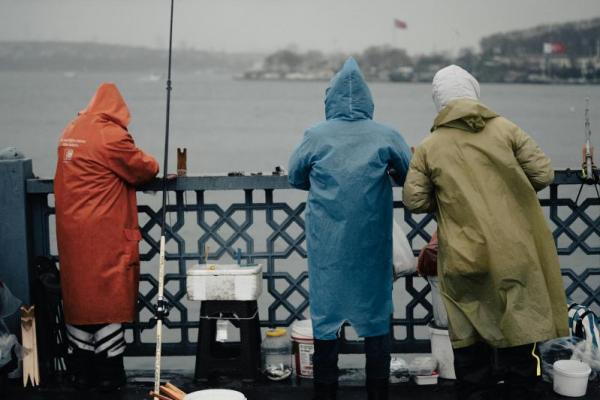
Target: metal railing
{"type": "Point", "coordinates": [229, 225]}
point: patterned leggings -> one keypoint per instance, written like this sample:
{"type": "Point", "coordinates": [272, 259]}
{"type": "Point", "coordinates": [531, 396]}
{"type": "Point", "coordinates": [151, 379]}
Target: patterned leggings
{"type": "Point", "coordinates": [102, 339]}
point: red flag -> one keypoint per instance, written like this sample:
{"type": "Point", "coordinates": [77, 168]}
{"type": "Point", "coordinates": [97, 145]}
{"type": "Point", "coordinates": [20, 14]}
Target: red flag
{"type": "Point", "coordinates": [558, 48]}
{"type": "Point", "coordinates": [400, 24]}
{"type": "Point", "coordinates": [554, 48]}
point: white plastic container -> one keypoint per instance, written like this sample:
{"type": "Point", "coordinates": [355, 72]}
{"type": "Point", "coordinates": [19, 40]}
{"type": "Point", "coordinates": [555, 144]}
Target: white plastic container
{"type": "Point", "coordinates": [303, 347]}
{"type": "Point", "coordinates": [423, 366]}
{"type": "Point", "coordinates": [440, 316]}
{"type": "Point", "coordinates": [427, 379]}
{"type": "Point", "coordinates": [276, 351]}
{"type": "Point", "coordinates": [224, 282]}
{"type": "Point", "coordinates": [571, 377]}
{"type": "Point", "coordinates": [441, 349]}
{"type": "Point", "coordinates": [215, 394]}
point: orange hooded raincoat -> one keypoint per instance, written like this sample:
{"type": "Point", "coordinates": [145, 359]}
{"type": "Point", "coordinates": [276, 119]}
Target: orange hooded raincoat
{"type": "Point", "coordinates": [96, 212]}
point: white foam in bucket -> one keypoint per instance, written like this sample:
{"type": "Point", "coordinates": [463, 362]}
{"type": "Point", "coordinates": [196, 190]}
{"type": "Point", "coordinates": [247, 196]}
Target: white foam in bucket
{"type": "Point", "coordinates": [303, 347]}
{"type": "Point", "coordinates": [571, 377]}
{"type": "Point", "coordinates": [441, 349]}
{"type": "Point", "coordinates": [215, 394]}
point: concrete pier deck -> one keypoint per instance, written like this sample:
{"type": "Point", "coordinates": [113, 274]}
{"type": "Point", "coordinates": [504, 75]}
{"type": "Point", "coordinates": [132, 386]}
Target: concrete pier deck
{"type": "Point", "coordinates": [140, 383]}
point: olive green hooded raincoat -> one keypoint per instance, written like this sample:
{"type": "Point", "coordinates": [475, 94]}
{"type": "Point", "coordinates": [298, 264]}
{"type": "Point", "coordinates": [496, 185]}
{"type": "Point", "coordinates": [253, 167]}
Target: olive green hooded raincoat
{"type": "Point", "coordinates": [498, 267]}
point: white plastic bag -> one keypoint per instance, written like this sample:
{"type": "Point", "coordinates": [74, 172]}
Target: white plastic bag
{"type": "Point", "coordinates": [405, 262]}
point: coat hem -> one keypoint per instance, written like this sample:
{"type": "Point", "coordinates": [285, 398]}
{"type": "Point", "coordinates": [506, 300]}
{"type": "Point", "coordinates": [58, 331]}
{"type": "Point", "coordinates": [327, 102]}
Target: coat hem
{"type": "Point", "coordinates": [98, 321]}
{"type": "Point", "coordinates": [499, 344]}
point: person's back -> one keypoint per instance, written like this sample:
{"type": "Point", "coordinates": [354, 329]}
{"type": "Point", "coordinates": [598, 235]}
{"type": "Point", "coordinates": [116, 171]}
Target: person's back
{"type": "Point", "coordinates": [97, 234]}
{"type": "Point", "coordinates": [497, 263]}
{"type": "Point", "coordinates": [343, 162]}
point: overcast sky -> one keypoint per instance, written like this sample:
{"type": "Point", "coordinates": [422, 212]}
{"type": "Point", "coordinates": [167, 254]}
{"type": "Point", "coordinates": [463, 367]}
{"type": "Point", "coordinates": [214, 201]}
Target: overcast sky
{"type": "Point", "coordinates": [266, 25]}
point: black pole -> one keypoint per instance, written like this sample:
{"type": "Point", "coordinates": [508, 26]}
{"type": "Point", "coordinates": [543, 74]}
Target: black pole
{"type": "Point", "coordinates": [166, 159]}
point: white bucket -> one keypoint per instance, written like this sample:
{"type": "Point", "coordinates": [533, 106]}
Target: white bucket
{"type": "Point", "coordinates": [303, 347]}
{"type": "Point", "coordinates": [441, 349]}
{"type": "Point", "coordinates": [215, 394]}
{"type": "Point", "coordinates": [440, 316]}
{"type": "Point", "coordinates": [571, 377]}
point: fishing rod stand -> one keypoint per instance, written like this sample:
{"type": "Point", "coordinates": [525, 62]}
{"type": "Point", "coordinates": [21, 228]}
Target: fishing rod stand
{"type": "Point", "coordinates": [589, 179]}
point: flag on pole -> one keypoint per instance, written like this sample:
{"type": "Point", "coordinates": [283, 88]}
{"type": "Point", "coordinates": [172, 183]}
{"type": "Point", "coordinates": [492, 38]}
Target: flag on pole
{"type": "Point", "coordinates": [554, 48]}
{"type": "Point", "coordinates": [399, 24]}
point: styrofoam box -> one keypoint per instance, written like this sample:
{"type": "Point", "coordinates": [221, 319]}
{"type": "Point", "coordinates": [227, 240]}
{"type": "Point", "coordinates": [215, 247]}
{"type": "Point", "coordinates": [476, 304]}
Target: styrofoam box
{"type": "Point", "coordinates": [224, 282]}
{"type": "Point", "coordinates": [426, 379]}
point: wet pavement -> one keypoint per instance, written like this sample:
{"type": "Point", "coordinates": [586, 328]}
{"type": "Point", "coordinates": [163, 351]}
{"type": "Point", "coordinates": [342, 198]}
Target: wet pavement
{"type": "Point", "coordinates": [140, 383]}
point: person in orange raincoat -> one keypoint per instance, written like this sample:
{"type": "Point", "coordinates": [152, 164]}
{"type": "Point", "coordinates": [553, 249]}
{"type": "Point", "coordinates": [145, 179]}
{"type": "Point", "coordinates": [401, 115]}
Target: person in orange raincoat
{"type": "Point", "coordinates": [97, 230]}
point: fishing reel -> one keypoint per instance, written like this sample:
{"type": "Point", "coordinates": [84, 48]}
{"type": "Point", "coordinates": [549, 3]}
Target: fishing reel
{"type": "Point", "coordinates": [589, 173]}
{"type": "Point", "coordinates": [161, 309]}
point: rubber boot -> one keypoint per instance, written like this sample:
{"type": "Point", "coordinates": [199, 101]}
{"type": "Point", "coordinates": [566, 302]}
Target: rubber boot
{"type": "Point", "coordinates": [377, 389]}
{"type": "Point", "coordinates": [377, 369]}
{"type": "Point", "coordinates": [474, 373]}
{"type": "Point", "coordinates": [325, 369]}
{"type": "Point", "coordinates": [520, 366]}
{"type": "Point", "coordinates": [80, 368]}
{"type": "Point", "coordinates": [110, 372]}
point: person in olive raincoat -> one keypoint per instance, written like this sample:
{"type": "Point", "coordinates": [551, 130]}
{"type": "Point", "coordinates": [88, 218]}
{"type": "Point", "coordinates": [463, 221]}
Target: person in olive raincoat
{"type": "Point", "coordinates": [498, 266]}
{"type": "Point", "coordinates": [344, 163]}
{"type": "Point", "coordinates": [97, 233]}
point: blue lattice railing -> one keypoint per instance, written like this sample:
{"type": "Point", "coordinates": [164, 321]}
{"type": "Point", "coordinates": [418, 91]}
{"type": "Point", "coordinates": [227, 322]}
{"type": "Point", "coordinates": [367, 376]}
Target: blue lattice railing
{"type": "Point", "coordinates": [263, 216]}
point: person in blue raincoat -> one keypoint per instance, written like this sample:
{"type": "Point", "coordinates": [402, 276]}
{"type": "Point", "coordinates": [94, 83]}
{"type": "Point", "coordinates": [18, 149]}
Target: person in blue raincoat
{"type": "Point", "coordinates": [344, 162]}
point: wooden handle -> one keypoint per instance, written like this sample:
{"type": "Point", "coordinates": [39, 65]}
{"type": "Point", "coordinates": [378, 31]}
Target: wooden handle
{"type": "Point", "coordinates": [175, 389]}
{"type": "Point", "coordinates": [158, 396]}
{"type": "Point", "coordinates": [171, 393]}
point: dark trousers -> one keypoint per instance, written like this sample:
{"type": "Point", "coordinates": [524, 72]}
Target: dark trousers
{"type": "Point", "coordinates": [325, 359]}
{"type": "Point", "coordinates": [479, 368]}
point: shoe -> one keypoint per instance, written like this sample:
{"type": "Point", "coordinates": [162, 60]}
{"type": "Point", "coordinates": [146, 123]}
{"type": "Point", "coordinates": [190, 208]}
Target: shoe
{"type": "Point", "coordinates": [325, 391]}
{"type": "Point", "coordinates": [110, 373]}
{"type": "Point", "coordinates": [79, 368]}
{"type": "Point", "coordinates": [377, 389]}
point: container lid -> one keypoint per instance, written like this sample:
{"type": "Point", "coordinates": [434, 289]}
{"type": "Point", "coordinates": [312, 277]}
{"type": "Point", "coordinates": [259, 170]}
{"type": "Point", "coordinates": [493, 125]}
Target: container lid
{"type": "Point", "coordinates": [302, 329]}
{"type": "Point", "coordinates": [277, 332]}
{"type": "Point", "coordinates": [572, 368]}
{"type": "Point", "coordinates": [215, 394]}
{"type": "Point", "coordinates": [437, 330]}
{"type": "Point", "coordinates": [223, 269]}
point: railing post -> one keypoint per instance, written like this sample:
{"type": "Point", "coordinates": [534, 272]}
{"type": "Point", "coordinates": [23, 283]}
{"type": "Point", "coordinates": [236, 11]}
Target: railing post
{"type": "Point", "coordinates": [14, 240]}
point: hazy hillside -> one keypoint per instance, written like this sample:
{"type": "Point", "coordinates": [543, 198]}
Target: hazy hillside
{"type": "Point", "coordinates": [579, 39]}
{"type": "Point", "coordinates": [66, 56]}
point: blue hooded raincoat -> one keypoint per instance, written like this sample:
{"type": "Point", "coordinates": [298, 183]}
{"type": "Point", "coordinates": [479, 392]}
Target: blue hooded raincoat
{"type": "Point", "coordinates": [343, 163]}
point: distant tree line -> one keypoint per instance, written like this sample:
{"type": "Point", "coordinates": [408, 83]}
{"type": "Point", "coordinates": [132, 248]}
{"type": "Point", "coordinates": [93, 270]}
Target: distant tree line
{"type": "Point", "coordinates": [504, 57]}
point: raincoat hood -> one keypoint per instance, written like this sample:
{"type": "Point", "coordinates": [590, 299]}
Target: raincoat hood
{"type": "Point", "coordinates": [109, 103]}
{"type": "Point", "coordinates": [453, 82]}
{"type": "Point", "coordinates": [466, 114]}
{"type": "Point", "coordinates": [348, 97]}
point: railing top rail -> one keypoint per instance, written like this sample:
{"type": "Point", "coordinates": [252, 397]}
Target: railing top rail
{"type": "Point", "coordinates": [243, 182]}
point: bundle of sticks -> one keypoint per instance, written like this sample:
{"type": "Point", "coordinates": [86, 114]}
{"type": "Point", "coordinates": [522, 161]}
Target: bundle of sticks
{"type": "Point", "coordinates": [168, 391]}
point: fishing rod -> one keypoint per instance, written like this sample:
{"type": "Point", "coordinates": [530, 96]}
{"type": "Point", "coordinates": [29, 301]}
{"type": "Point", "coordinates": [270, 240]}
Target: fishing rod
{"type": "Point", "coordinates": [588, 167]}
{"type": "Point", "coordinates": [589, 172]}
{"type": "Point", "coordinates": [162, 307]}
